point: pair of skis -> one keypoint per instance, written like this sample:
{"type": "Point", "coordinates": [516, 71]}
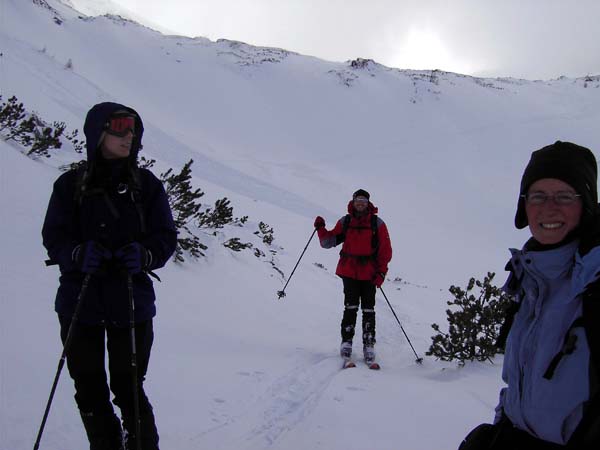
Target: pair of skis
{"type": "Point", "coordinates": [348, 363]}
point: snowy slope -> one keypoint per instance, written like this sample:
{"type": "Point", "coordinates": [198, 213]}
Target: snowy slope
{"type": "Point", "coordinates": [285, 137]}
{"type": "Point", "coordinates": [232, 366]}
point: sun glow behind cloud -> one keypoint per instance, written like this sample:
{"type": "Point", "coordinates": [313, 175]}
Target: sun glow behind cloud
{"type": "Point", "coordinates": [423, 49]}
{"type": "Point", "coordinates": [464, 36]}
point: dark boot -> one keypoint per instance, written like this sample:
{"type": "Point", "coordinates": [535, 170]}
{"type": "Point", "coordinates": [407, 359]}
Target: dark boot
{"type": "Point", "coordinates": [368, 328]}
{"type": "Point", "coordinates": [346, 350]}
{"type": "Point", "coordinates": [103, 431]}
{"type": "Point", "coordinates": [348, 323]}
{"type": "Point", "coordinates": [148, 430]}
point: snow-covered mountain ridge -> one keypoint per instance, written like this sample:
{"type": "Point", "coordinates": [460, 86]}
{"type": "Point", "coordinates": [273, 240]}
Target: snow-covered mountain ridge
{"type": "Point", "coordinates": [268, 111]}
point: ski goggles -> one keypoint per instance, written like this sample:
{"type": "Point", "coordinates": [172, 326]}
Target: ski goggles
{"type": "Point", "coordinates": [361, 200]}
{"type": "Point", "coordinates": [120, 125]}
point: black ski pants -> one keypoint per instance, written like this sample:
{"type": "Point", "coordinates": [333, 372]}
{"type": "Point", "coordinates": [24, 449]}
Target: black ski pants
{"type": "Point", "coordinates": [86, 364]}
{"type": "Point", "coordinates": [358, 293]}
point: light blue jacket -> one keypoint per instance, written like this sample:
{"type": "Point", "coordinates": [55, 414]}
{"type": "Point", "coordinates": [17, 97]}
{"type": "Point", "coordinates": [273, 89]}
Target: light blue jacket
{"type": "Point", "coordinates": [548, 284]}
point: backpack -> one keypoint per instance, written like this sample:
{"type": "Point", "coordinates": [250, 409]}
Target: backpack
{"type": "Point", "coordinates": [374, 232]}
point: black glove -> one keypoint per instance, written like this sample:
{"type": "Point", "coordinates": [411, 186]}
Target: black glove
{"type": "Point", "coordinates": [133, 258]}
{"type": "Point", "coordinates": [319, 222]}
{"type": "Point", "coordinates": [90, 256]}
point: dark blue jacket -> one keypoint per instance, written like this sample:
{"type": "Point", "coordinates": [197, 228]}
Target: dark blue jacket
{"type": "Point", "coordinates": [111, 218]}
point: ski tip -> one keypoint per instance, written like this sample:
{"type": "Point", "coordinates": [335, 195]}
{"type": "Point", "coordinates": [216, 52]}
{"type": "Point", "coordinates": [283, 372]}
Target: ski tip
{"type": "Point", "coordinates": [374, 366]}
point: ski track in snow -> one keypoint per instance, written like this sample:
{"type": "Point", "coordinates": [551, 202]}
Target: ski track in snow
{"type": "Point", "coordinates": [287, 402]}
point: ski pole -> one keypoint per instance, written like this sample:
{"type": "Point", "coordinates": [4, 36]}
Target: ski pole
{"type": "Point", "coordinates": [61, 362]}
{"type": "Point", "coordinates": [281, 294]}
{"type": "Point", "coordinates": [134, 372]}
{"type": "Point", "coordinates": [419, 360]}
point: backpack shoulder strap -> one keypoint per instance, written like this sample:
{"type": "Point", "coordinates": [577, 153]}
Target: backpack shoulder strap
{"type": "Point", "coordinates": [513, 286]}
{"type": "Point", "coordinates": [83, 175]}
{"type": "Point", "coordinates": [136, 194]}
{"type": "Point", "coordinates": [509, 318]}
{"type": "Point", "coordinates": [345, 224]}
{"type": "Point", "coordinates": [375, 232]}
{"type": "Point", "coordinates": [591, 322]}
{"type": "Point", "coordinates": [83, 189]}
{"type": "Point", "coordinates": [586, 433]}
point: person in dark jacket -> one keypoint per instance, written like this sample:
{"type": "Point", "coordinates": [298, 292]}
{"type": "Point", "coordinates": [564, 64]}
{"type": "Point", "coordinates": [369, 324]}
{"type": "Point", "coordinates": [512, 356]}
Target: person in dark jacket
{"type": "Point", "coordinates": [108, 222]}
{"type": "Point", "coordinates": [363, 265]}
{"type": "Point", "coordinates": [549, 368]}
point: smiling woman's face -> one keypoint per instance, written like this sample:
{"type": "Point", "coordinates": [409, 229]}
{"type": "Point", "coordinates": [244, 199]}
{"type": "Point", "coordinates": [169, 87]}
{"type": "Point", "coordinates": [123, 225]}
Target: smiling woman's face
{"type": "Point", "coordinates": [551, 222]}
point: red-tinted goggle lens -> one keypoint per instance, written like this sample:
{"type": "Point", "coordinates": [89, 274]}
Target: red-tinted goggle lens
{"type": "Point", "coordinates": [120, 125]}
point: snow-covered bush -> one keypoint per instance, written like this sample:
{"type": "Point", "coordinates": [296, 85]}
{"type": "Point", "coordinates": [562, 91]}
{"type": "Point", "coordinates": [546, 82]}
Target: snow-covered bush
{"type": "Point", "coordinates": [474, 326]}
{"type": "Point", "coordinates": [31, 132]}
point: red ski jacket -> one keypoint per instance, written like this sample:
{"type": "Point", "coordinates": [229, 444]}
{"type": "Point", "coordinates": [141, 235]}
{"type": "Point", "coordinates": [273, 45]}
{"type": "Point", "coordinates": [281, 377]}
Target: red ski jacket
{"type": "Point", "coordinates": [358, 258]}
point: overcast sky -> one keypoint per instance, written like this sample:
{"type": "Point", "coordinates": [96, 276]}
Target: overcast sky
{"type": "Point", "coordinates": [532, 39]}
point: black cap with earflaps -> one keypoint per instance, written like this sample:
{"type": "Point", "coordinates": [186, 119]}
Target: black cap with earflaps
{"type": "Point", "coordinates": [361, 193]}
{"type": "Point", "coordinates": [565, 161]}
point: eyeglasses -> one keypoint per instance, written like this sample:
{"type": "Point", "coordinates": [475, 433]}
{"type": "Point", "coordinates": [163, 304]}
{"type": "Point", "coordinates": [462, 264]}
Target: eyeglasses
{"type": "Point", "coordinates": [361, 200]}
{"type": "Point", "coordinates": [562, 198]}
{"type": "Point", "coordinates": [120, 125]}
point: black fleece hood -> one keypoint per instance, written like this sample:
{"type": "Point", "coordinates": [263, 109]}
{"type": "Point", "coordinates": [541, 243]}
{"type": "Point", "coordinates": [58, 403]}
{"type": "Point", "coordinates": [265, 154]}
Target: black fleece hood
{"type": "Point", "coordinates": [95, 121]}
